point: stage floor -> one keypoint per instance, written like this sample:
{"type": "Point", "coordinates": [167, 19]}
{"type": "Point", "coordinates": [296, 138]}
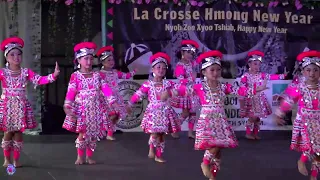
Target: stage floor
{"type": "Point", "coordinates": [52, 158]}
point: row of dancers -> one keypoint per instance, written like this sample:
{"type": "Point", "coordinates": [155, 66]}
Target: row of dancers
{"type": "Point", "coordinates": [93, 105]}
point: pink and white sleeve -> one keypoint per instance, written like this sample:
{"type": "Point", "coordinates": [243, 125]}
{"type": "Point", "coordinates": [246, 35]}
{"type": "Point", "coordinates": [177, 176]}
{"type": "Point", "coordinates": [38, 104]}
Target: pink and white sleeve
{"type": "Point", "coordinates": [275, 76]}
{"type": "Point", "coordinates": [36, 79]}
{"type": "Point", "coordinates": [1, 74]}
{"type": "Point", "coordinates": [241, 91]}
{"type": "Point", "coordinates": [122, 75]}
{"type": "Point", "coordinates": [292, 95]}
{"type": "Point", "coordinates": [183, 90]}
{"type": "Point", "coordinates": [244, 86]}
{"type": "Point", "coordinates": [180, 74]}
{"type": "Point", "coordinates": [177, 89]}
{"type": "Point", "coordinates": [140, 93]}
{"type": "Point", "coordinates": [71, 91]}
{"type": "Point", "coordinates": [107, 92]}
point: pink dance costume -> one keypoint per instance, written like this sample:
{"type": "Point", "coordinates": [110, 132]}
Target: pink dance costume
{"type": "Point", "coordinates": [15, 110]}
{"type": "Point", "coordinates": [159, 117]}
{"type": "Point", "coordinates": [112, 78]}
{"type": "Point", "coordinates": [257, 105]}
{"type": "Point", "coordinates": [305, 132]}
{"type": "Point", "coordinates": [213, 129]}
{"type": "Point", "coordinates": [83, 98]}
{"type": "Point", "coordinates": [185, 73]}
{"type": "Point", "coordinates": [296, 80]}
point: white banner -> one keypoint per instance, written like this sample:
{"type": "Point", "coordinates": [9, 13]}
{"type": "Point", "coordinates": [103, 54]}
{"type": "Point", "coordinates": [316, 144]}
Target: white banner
{"type": "Point", "coordinates": [132, 123]}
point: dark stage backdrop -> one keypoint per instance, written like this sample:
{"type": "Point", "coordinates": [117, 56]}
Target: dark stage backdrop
{"type": "Point", "coordinates": [62, 27]}
{"type": "Point", "coordinates": [280, 32]}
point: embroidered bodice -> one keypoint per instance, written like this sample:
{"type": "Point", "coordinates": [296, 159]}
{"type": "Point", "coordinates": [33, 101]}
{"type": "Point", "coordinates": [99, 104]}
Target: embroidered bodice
{"type": "Point", "coordinates": [185, 71]}
{"type": "Point", "coordinates": [79, 85]}
{"type": "Point", "coordinates": [301, 94]}
{"type": "Point", "coordinates": [153, 90]}
{"type": "Point", "coordinates": [210, 96]}
{"type": "Point", "coordinates": [112, 77]}
{"type": "Point", "coordinates": [249, 79]}
{"type": "Point", "coordinates": [8, 80]}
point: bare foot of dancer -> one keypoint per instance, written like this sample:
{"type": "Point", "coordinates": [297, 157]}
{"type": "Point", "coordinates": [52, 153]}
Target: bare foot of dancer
{"type": "Point", "coordinates": [6, 162]}
{"type": "Point", "coordinates": [90, 161]}
{"type": "Point", "coordinates": [257, 137]}
{"type": "Point", "coordinates": [111, 138]}
{"type": "Point", "coordinates": [159, 159]}
{"type": "Point", "coordinates": [313, 178]}
{"type": "Point", "coordinates": [302, 168]}
{"type": "Point", "coordinates": [250, 136]}
{"type": "Point", "coordinates": [191, 135]}
{"type": "Point", "coordinates": [175, 135]}
{"type": "Point", "coordinates": [151, 154]}
{"type": "Point", "coordinates": [79, 161]}
{"type": "Point", "coordinates": [206, 171]}
{"type": "Point", "coordinates": [16, 164]}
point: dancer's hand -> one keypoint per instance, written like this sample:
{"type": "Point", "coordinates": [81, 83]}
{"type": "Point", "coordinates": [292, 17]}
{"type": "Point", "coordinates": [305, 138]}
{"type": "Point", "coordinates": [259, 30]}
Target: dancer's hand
{"type": "Point", "coordinates": [56, 70]}
{"type": "Point", "coordinates": [285, 72]}
{"type": "Point", "coordinates": [265, 83]}
{"type": "Point", "coordinates": [164, 96]}
{"type": "Point", "coordinates": [279, 120]}
{"type": "Point", "coordinates": [263, 86]}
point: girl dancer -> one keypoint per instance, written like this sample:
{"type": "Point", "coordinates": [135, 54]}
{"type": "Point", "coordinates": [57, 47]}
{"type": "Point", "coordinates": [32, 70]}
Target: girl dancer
{"type": "Point", "coordinates": [213, 131]}
{"type": "Point", "coordinates": [295, 80]}
{"type": "Point", "coordinates": [184, 71]}
{"type": "Point", "coordinates": [159, 117]}
{"type": "Point", "coordinates": [111, 76]}
{"type": "Point", "coordinates": [84, 107]}
{"type": "Point", "coordinates": [305, 133]}
{"type": "Point", "coordinates": [15, 110]}
{"type": "Point", "coordinates": [257, 106]}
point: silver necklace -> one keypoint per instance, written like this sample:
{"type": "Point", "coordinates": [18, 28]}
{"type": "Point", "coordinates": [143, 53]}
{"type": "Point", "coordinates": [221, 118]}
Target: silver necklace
{"type": "Point", "coordinates": [153, 83]}
{"type": "Point", "coordinates": [313, 91]}
{"type": "Point", "coordinates": [86, 81]}
{"type": "Point", "coordinates": [14, 72]}
{"type": "Point", "coordinates": [12, 82]}
{"type": "Point", "coordinates": [314, 86]}
{"type": "Point", "coordinates": [214, 96]}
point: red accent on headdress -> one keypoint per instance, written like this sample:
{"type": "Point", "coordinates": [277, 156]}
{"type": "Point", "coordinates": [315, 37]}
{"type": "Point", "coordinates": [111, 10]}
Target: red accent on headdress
{"type": "Point", "coordinates": [256, 52]}
{"type": "Point", "coordinates": [104, 49]}
{"type": "Point", "coordinates": [307, 54]}
{"type": "Point", "coordinates": [214, 53]}
{"type": "Point", "coordinates": [191, 42]}
{"type": "Point", "coordinates": [7, 41]}
{"type": "Point", "coordinates": [88, 45]}
{"type": "Point", "coordinates": [160, 54]}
